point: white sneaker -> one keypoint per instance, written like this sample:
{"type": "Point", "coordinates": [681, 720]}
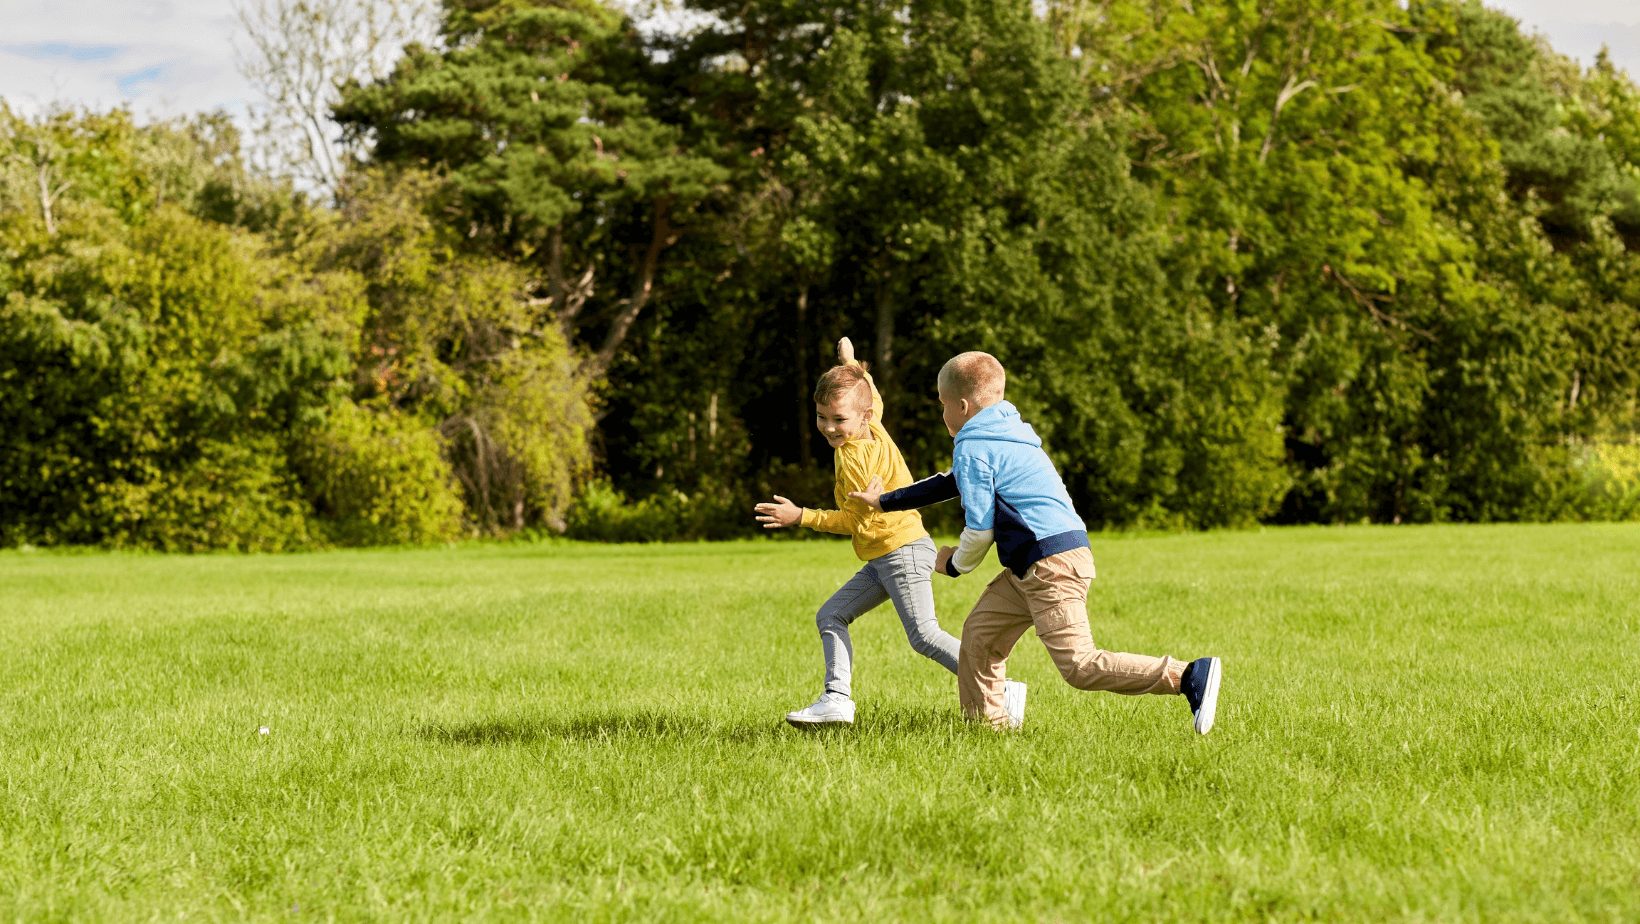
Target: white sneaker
{"type": "Point", "coordinates": [1013, 702]}
{"type": "Point", "coordinates": [1200, 687]}
{"type": "Point", "coordinates": [829, 709]}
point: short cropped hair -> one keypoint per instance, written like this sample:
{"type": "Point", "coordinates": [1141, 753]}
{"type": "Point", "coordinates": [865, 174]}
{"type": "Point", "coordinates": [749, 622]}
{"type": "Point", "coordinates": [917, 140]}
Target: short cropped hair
{"type": "Point", "coordinates": [974, 375]}
{"type": "Point", "coordinates": [842, 379]}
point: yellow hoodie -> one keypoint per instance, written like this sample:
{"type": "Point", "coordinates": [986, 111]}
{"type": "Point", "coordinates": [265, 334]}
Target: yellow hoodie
{"type": "Point", "coordinates": [858, 461]}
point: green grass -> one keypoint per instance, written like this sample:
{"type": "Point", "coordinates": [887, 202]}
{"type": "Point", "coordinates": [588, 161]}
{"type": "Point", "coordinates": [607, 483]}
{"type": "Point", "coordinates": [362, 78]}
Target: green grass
{"type": "Point", "coordinates": [1418, 723]}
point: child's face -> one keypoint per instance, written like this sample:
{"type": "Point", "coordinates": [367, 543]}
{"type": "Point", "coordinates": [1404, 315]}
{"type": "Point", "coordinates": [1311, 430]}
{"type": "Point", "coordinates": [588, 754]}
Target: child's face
{"type": "Point", "coordinates": [841, 419]}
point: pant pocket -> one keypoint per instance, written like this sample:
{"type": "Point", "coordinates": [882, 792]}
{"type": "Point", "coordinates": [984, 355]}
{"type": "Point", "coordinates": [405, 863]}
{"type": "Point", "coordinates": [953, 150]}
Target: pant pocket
{"type": "Point", "coordinates": [1059, 618]}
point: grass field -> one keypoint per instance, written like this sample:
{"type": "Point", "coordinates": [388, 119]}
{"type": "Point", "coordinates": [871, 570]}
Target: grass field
{"type": "Point", "coordinates": [1435, 723]}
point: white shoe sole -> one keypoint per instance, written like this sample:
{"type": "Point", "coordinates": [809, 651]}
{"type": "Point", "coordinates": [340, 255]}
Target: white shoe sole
{"type": "Point", "coordinates": [1023, 692]}
{"type": "Point", "coordinates": [800, 721]}
{"type": "Point", "coordinates": [1210, 697]}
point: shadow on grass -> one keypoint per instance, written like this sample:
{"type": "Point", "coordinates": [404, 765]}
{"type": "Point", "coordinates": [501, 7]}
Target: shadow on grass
{"type": "Point", "coordinates": [643, 725]}
{"type": "Point", "coordinates": [653, 725]}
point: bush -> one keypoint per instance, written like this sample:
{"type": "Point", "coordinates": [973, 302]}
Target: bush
{"type": "Point", "coordinates": [379, 477]}
{"type": "Point", "coordinates": [1604, 482]}
{"type": "Point", "coordinates": [604, 514]}
{"type": "Point", "coordinates": [233, 496]}
{"type": "Point", "coordinates": [521, 443]}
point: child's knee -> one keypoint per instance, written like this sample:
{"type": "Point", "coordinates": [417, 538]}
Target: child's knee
{"type": "Point", "coordinates": [976, 647]}
{"type": "Point", "coordinates": [827, 618]}
{"type": "Point", "coordinates": [925, 642]}
{"type": "Point", "coordinates": [1069, 669]}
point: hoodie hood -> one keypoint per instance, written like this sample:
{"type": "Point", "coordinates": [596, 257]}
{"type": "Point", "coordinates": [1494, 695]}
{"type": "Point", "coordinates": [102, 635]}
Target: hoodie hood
{"type": "Point", "coordinates": [1000, 421]}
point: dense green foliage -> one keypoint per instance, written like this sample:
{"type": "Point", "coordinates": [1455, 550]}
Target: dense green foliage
{"type": "Point", "coordinates": [573, 732]}
{"type": "Point", "coordinates": [157, 363]}
{"type": "Point", "coordinates": [192, 358]}
{"type": "Point", "coordinates": [1246, 261]}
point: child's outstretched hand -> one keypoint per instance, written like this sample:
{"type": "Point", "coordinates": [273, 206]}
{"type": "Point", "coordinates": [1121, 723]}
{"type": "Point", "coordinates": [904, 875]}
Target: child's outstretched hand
{"type": "Point", "coordinates": [845, 351]}
{"type": "Point", "coordinates": [872, 495]}
{"type": "Point", "coordinates": [943, 558]}
{"type": "Point", "coordinates": [779, 514]}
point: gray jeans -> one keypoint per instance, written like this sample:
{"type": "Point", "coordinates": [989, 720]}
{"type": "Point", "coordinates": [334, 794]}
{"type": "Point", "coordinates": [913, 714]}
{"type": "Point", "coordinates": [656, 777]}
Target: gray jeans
{"type": "Point", "coordinates": [903, 576]}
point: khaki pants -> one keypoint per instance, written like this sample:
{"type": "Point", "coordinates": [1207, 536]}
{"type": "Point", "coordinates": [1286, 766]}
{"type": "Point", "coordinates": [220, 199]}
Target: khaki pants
{"type": "Point", "coordinates": [1052, 597]}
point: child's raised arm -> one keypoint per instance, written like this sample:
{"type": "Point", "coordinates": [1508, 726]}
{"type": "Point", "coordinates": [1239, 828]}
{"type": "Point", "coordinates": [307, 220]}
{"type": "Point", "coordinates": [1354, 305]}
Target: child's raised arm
{"type": "Point", "coordinates": [845, 355]}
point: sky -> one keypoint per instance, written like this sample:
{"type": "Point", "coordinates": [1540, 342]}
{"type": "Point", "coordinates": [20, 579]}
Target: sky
{"type": "Point", "coordinates": [171, 57]}
{"type": "Point", "coordinates": [161, 57]}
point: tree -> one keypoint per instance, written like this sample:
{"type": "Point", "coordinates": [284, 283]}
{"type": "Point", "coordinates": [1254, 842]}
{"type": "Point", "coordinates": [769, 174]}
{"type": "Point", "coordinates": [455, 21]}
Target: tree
{"type": "Point", "coordinates": [451, 340]}
{"type": "Point", "coordinates": [137, 407]}
{"type": "Point", "coordinates": [299, 54]}
{"type": "Point", "coordinates": [536, 114]}
{"type": "Point", "coordinates": [1330, 186]}
{"type": "Point", "coordinates": [177, 369]}
{"type": "Point", "coordinates": [931, 178]}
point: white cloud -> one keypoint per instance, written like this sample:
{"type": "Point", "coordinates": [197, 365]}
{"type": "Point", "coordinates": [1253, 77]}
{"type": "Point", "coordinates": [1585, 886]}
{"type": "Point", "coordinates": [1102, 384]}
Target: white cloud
{"type": "Point", "coordinates": [1550, 12]}
{"type": "Point", "coordinates": [161, 57]}
{"type": "Point", "coordinates": [1578, 28]}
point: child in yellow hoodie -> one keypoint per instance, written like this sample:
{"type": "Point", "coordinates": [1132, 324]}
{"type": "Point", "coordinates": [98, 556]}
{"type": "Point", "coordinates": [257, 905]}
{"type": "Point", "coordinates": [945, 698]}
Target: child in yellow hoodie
{"type": "Point", "coordinates": [898, 554]}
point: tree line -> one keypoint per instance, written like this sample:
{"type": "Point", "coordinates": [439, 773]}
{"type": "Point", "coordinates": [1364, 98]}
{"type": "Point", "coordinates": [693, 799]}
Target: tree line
{"type": "Point", "coordinates": [1245, 261]}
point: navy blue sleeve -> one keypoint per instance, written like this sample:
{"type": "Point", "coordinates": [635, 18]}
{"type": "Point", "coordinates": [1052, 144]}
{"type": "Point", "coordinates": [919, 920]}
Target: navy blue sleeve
{"type": "Point", "coordinates": [934, 489]}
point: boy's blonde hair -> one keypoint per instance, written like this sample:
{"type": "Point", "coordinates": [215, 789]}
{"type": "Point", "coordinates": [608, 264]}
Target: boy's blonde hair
{"type": "Point", "coordinates": [841, 379]}
{"type": "Point", "coordinates": [974, 375]}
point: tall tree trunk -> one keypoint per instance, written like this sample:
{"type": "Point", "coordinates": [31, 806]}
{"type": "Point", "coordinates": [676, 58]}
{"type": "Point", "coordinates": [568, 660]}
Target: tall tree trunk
{"type": "Point", "coordinates": [663, 236]}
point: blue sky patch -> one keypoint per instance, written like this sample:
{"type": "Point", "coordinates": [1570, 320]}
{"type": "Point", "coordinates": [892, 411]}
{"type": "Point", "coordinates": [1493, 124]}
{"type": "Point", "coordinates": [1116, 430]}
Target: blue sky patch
{"type": "Point", "coordinates": [130, 83]}
{"type": "Point", "coordinates": [70, 51]}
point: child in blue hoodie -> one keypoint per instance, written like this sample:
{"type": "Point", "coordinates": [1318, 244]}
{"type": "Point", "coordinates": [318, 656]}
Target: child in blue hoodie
{"type": "Point", "coordinates": [1014, 498]}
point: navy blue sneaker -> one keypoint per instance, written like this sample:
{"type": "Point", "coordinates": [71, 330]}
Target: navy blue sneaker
{"type": "Point", "coordinates": [1200, 686]}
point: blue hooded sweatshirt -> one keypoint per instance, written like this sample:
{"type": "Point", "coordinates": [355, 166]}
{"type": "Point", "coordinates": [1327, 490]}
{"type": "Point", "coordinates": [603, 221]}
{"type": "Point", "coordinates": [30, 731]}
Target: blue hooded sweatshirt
{"type": "Point", "coordinates": [1007, 485]}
